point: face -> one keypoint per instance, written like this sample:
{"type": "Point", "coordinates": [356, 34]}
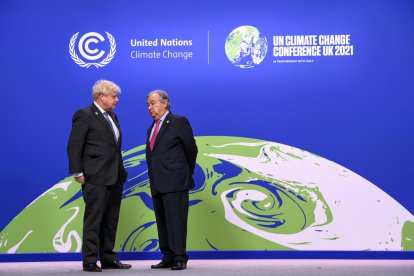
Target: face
{"type": "Point", "coordinates": [109, 101]}
{"type": "Point", "coordinates": [155, 107]}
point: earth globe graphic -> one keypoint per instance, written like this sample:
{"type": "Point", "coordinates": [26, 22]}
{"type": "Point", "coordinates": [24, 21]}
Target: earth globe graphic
{"type": "Point", "coordinates": [246, 47]}
{"type": "Point", "coordinates": [250, 194]}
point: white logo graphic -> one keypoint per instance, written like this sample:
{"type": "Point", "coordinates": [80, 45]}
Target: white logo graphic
{"type": "Point", "coordinates": [93, 54]}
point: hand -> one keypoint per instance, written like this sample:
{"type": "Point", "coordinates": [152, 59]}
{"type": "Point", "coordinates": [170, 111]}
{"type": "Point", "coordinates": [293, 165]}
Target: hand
{"type": "Point", "coordinates": [80, 179]}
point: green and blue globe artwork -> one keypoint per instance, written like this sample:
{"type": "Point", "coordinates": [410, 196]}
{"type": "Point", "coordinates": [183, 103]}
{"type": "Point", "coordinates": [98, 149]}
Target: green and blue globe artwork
{"type": "Point", "coordinates": [250, 194]}
{"type": "Point", "coordinates": [245, 47]}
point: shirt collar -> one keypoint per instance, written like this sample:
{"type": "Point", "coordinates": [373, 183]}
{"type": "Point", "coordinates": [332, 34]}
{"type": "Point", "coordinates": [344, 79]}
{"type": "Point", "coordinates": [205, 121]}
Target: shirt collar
{"type": "Point", "coordinates": [100, 108]}
{"type": "Point", "coordinates": [163, 116]}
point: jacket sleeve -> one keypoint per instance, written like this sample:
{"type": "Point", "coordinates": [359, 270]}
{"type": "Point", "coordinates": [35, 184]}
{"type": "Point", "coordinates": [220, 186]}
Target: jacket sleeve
{"type": "Point", "coordinates": [189, 143]}
{"type": "Point", "coordinates": [77, 139]}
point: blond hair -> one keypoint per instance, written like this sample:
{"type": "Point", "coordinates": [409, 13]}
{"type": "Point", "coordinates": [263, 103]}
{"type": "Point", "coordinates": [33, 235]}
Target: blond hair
{"type": "Point", "coordinates": [104, 87]}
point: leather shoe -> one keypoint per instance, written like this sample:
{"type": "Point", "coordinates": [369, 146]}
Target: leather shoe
{"type": "Point", "coordinates": [162, 264]}
{"type": "Point", "coordinates": [115, 265]}
{"type": "Point", "coordinates": [178, 266]}
{"type": "Point", "coordinates": [91, 268]}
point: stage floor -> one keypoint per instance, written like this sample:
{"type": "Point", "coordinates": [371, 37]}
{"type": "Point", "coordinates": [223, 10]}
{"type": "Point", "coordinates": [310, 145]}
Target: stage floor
{"type": "Point", "coordinates": [228, 267]}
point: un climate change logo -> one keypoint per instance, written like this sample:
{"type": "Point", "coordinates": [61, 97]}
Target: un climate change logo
{"type": "Point", "coordinates": [93, 54]}
{"type": "Point", "coordinates": [245, 47]}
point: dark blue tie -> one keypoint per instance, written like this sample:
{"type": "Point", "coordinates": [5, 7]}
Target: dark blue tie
{"type": "Point", "coordinates": [110, 124]}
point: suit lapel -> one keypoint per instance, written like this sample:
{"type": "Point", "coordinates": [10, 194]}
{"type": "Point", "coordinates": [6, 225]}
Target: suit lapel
{"type": "Point", "coordinates": [149, 134]}
{"type": "Point", "coordinates": [115, 119]}
{"type": "Point", "coordinates": [97, 113]}
{"type": "Point", "coordinates": [164, 127]}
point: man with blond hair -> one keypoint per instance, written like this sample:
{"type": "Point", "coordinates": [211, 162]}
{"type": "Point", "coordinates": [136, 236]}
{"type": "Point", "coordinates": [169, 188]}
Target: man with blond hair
{"type": "Point", "coordinates": [94, 152]}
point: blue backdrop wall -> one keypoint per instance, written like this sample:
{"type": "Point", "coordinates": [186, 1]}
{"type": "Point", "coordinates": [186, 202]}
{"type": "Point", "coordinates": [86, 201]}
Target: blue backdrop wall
{"type": "Point", "coordinates": [333, 78]}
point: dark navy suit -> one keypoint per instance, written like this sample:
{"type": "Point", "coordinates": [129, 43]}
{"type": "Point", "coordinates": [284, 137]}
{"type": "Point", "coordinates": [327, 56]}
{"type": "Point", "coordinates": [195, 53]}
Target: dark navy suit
{"type": "Point", "coordinates": [171, 166]}
{"type": "Point", "coordinates": [93, 150]}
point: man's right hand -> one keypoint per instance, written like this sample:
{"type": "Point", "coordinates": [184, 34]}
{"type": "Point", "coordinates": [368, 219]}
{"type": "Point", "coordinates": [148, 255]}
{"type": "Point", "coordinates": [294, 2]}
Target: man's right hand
{"type": "Point", "coordinates": [80, 179]}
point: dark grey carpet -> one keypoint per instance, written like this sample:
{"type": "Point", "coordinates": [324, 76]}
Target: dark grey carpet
{"type": "Point", "coordinates": [227, 267]}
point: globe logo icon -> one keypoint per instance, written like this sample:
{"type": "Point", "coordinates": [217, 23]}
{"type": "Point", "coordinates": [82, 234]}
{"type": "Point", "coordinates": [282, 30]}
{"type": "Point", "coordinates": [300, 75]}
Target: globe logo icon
{"type": "Point", "coordinates": [246, 47]}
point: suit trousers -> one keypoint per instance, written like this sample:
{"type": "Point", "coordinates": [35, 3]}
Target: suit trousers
{"type": "Point", "coordinates": [171, 213]}
{"type": "Point", "coordinates": [100, 221]}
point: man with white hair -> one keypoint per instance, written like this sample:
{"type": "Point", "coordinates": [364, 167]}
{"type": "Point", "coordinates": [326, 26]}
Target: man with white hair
{"type": "Point", "coordinates": [171, 153]}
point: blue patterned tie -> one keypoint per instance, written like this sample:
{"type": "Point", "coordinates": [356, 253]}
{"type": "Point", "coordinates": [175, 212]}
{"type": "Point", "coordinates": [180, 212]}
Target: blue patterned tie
{"type": "Point", "coordinates": [110, 124]}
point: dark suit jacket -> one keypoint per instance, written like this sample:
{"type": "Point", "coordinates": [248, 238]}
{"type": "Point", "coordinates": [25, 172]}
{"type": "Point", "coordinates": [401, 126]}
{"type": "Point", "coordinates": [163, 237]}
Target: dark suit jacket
{"type": "Point", "coordinates": [92, 148]}
{"type": "Point", "coordinates": [171, 163]}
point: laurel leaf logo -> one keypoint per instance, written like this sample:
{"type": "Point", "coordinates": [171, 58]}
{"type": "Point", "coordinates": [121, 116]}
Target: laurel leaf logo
{"type": "Point", "coordinates": [81, 63]}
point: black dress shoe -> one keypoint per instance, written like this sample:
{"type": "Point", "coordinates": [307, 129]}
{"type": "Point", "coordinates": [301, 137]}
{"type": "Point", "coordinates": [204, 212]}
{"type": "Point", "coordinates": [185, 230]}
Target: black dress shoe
{"type": "Point", "coordinates": [91, 268]}
{"type": "Point", "coordinates": [115, 265]}
{"type": "Point", "coordinates": [162, 264]}
{"type": "Point", "coordinates": [179, 265]}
